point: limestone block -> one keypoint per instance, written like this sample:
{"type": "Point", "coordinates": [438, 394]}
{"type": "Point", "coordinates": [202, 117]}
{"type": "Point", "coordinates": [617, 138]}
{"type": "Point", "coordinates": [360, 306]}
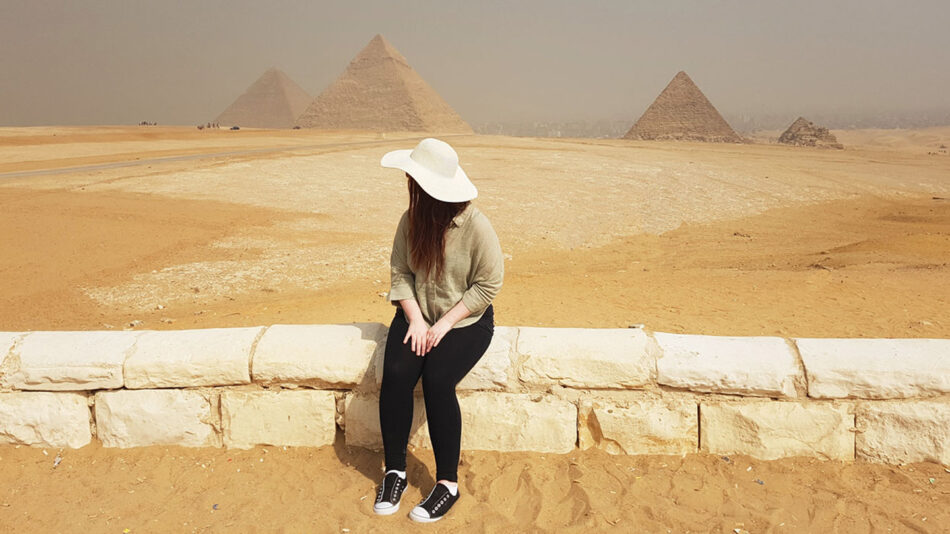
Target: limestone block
{"type": "Point", "coordinates": [738, 365]}
{"type": "Point", "coordinates": [639, 426]}
{"type": "Point", "coordinates": [517, 422]}
{"type": "Point", "coordinates": [775, 429]}
{"type": "Point", "coordinates": [361, 416]}
{"type": "Point", "coordinates": [904, 432]}
{"type": "Point", "coordinates": [188, 358]}
{"type": "Point", "coordinates": [139, 418]}
{"type": "Point", "coordinates": [492, 372]}
{"type": "Point", "coordinates": [494, 369]}
{"type": "Point", "coordinates": [335, 356]}
{"type": "Point", "coordinates": [66, 361]}
{"type": "Point", "coordinates": [490, 421]}
{"type": "Point", "coordinates": [298, 418]}
{"type": "Point", "coordinates": [876, 368]}
{"type": "Point", "coordinates": [607, 358]}
{"type": "Point", "coordinates": [44, 419]}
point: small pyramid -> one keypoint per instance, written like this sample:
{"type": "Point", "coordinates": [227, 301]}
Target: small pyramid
{"type": "Point", "coordinates": [803, 132]}
{"type": "Point", "coordinates": [379, 91]}
{"type": "Point", "coordinates": [273, 101]}
{"type": "Point", "coordinates": [683, 113]}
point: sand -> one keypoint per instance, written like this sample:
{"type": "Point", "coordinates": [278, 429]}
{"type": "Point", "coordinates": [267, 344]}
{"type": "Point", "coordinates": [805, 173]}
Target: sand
{"type": "Point", "coordinates": [184, 229]}
{"type": "Point", "coordinates": [296, 227]}
{"type": "Point", "coordinates": [270, 489]}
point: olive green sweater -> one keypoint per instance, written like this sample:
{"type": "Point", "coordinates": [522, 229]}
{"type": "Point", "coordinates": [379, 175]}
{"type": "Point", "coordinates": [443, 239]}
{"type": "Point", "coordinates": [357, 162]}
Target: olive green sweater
{"type": "Point", "coordinates": [473, 273]}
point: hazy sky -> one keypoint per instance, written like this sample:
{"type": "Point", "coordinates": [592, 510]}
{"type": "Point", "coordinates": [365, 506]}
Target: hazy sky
{"type": "Point", "coordinates": [122, 61]}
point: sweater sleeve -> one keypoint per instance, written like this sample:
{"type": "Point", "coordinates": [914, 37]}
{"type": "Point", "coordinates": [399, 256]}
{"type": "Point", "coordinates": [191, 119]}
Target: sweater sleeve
{"type": "Point", "coordinates": [489, 269]}
{"type": "Point", "coordinates": [402, 280]}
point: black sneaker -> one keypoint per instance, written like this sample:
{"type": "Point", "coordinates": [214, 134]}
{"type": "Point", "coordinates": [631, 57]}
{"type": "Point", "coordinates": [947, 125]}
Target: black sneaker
{"type": "Point", "coordinates": [389, 494]}
{"type": "Point", "coordinates": [435, 506]}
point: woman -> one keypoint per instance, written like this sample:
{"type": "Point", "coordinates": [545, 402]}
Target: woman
{"type": "Point", "coordinates": [446, 267]}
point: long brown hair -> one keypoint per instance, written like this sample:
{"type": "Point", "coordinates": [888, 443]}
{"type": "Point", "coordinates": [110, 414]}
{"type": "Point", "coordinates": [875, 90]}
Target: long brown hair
{"type": "Point", "coordinates": [429, 219]}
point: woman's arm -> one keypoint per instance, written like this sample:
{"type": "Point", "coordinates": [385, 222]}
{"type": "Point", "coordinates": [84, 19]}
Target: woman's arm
{"type": "Point", "coordinates": [488, 269]}
{"type": "Point", "coordinates": [402, 279]}
{"type": "Point", "coordinates": [402, 288]}
{"type": "Point", "coordinates": [488, 274]}
{"type": "Point", "coordinates": [443, 325]}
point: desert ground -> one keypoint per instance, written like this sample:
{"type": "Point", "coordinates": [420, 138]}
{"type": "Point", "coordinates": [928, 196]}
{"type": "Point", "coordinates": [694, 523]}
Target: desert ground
{"type": "Point", "coordinates": [179, 228]}
{"type": "Point", "coordinates": [173, 228]}
{"type": "Point", "coordinates": [331, 490]}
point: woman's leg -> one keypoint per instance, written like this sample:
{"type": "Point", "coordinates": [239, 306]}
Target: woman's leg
{"type": "Point", "coordinates": [446, 365]}
{"type": "Point", "coordinates": [401, 371]}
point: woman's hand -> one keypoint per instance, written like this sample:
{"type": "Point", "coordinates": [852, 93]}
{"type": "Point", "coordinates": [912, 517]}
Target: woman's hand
{"type": "Point", "coordinates": [418, 333]}
{"type": "Point", "coordinates": [417, 326]}
{"type": "Point", "coordinates": [436, 333]}
{"type": "Point", "coordinates": [443, 325]}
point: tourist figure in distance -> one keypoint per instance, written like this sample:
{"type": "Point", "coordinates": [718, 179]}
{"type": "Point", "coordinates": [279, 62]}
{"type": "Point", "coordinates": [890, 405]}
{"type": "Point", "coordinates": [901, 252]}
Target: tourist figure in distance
{"type": "Point", "coordinates": [446, 268]}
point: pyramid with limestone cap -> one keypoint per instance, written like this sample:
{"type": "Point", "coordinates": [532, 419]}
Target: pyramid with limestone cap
{"type": "Point", "coordinates": [379, 91]}
{"type": "Point", "coordinates": [273, 101]}
{"type": "Point", "coordinates": [682, 112]}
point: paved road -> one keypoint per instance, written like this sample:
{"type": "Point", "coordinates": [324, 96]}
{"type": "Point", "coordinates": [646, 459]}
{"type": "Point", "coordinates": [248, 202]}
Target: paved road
{"type": "Point", "coordinates": [167, 159]}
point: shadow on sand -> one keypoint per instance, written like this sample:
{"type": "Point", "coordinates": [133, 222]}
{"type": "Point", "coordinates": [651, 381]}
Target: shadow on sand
{"type": "Point", "coordinates": [370, 463]}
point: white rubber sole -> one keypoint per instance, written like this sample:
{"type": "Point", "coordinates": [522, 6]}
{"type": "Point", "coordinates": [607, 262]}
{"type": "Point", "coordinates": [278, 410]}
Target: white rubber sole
{"type": "Point", "coordinates": [389, 510]}
{"type": "Point", "coordinates": [419, 518]}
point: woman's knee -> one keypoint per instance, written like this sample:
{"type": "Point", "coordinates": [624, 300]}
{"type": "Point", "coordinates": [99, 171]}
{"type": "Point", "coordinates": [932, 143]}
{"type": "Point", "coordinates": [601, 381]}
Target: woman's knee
{"type": "Point", "coordinates": [435, 387]}
{"type": "Point", "coordinates": [455, 359]}
{"type": "Point", "coordinates": [401, 368]}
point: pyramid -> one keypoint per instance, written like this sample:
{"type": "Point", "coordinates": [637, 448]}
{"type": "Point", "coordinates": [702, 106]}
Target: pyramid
{"type": "Point", "coordinates": [682, 112]}
{"type": "Point", "coordinates": [803, 132]}
{"type": "Point", "coordinates": [379, 91]}
{"type": "Point", "coordinates": [273, 101]}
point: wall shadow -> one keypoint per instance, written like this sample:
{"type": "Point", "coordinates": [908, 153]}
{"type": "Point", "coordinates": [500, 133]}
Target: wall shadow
{"type": "Point", "coordinates": [369, 463]}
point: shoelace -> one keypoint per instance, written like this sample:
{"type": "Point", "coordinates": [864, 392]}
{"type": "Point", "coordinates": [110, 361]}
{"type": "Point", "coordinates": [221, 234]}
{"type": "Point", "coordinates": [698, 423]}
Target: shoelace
{"type": "Point", "coordinates": [395, 492]}
{"type": "Point", "coordinates": [442, 500]}
{"type": "Point", "coordinates": [440, 503]}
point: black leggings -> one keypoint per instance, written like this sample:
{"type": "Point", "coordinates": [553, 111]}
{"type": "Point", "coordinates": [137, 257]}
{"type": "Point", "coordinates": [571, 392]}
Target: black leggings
{"type": "Point", "coordinates": [441, 369]}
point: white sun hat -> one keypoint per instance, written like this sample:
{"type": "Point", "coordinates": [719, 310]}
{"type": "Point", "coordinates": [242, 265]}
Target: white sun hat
{"type": "Point", "coordinates": [434, 165]}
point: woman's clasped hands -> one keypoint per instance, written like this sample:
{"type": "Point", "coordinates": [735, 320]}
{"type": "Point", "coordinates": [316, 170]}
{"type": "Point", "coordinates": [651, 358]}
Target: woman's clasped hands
{"type": "Point", "coordinates": [424, 339]}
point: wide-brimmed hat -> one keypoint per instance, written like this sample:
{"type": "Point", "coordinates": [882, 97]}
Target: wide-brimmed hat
{"type": "Point", "coordinates": [434, 165]}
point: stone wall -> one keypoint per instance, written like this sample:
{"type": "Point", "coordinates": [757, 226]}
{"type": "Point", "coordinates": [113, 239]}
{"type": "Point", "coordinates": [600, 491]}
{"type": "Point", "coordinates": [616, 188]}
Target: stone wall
{"type": "Point", "coordinates": [626, 391]}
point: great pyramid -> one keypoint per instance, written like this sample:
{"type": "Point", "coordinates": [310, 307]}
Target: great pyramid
{"type": "Point", "coordinates": [682, 112]}
{"type": "Point", "coordinates": [379, 91]}
{"type": "Point", "coordinates": [803, 132]}
{"type": "Point", "coordinates": [273, 101]}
